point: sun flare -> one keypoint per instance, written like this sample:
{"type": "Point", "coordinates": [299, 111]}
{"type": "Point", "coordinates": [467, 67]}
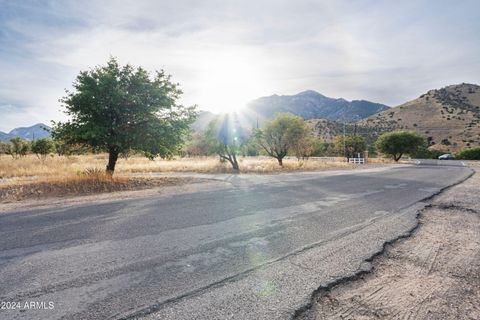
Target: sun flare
{"type": "Point", "coordinates": [229, 82]}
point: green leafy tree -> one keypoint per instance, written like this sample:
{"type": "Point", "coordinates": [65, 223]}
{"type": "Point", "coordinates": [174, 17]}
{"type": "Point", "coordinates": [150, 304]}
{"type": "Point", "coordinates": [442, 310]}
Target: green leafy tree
{"type": "Point", "coordinates": [61, 147]}
{"type": "Point", "coordinates": [350, 146]}
{"type": "Point", "coordinates": [250, 148]}
{"type": "Point", "coordinates": [18, 147]}
{"type": "Point", "coordinates": [281, 134]}
{"type": "Point", "coordinates": [302, 139]}
{"type": "Point", "coordinates": [372, 151]}
{"type": "Point", "coordinates": [225, 138]}
{"type": "Point", "coordinates": [119, 109]}
{"type": "Point", "coordinates": [398, 143]}
{"type": "Point", "coordinates": [322, 148]}
{"type": "Point", "coordinates": [43, 147]}
{"type": "Point", "coordinates": [5, 147]}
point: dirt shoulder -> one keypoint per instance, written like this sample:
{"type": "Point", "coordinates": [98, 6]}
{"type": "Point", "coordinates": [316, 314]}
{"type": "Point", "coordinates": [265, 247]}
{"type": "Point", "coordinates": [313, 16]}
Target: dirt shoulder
{"type": "Point", "coordinates": [160, 188]}
{"type": "Point", "coordinates": [434, 274]}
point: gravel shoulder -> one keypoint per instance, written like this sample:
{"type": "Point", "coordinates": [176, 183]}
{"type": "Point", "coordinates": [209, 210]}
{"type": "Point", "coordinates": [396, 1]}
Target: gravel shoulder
{"type": "Point", "coordinates": [434, 274]}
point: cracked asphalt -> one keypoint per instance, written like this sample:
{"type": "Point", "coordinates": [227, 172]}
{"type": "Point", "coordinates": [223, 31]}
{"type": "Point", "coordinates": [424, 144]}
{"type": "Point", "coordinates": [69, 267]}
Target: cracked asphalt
{"type": "Point", "coordinates": [256, 249]}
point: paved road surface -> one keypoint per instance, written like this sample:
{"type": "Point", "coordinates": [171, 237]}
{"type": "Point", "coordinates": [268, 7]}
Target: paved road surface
{"type": "Point", "coordinates": [254, 250]}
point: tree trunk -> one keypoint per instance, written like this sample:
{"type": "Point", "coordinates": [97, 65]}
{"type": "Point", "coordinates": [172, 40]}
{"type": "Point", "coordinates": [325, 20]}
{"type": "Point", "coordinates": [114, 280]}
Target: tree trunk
{"type": "Point", "coordinates": [280, 161]}
{"type": "Point", "coordinates": [397, 157]}
{"type": "Point", "coordinates": [232, 159]}
{"type": "Point", "coordinates": [112, 161]}
{"type": "Point", "coordinates": [235, 163]}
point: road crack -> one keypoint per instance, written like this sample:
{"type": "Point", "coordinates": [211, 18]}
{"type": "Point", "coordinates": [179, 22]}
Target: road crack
{"type": "Point", "coordinates": [431, 273]}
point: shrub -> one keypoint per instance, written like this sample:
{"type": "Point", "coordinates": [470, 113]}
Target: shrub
{"type": "Point", "coordinates": [94, 173]}
{"type": "Point", "coordinates": [469, 154]}
{"type": "Point", "coordinates": [424, 153]}
{"type": "Point", "coordinates": [446, 142]}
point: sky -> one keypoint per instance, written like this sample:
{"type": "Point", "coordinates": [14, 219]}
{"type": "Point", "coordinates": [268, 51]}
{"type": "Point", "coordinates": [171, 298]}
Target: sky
{"type": "Point", "coordinates": [225, 53]}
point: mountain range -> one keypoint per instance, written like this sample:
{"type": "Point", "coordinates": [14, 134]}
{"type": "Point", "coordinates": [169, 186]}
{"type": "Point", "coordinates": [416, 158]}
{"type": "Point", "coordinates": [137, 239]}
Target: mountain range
{"type": "Point", "coordinates": [449, 118]}
{"type": "Point", "coordinates": [36, 131]}
{"type": "Point", "coordinates": [313, 105]}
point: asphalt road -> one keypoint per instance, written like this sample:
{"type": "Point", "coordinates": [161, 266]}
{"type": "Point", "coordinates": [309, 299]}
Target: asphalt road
{"type": "Point", "coordinates": [256, 249]}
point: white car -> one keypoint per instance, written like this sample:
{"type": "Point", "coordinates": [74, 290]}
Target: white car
{"type": "Point", "coordinates": [446, 156]}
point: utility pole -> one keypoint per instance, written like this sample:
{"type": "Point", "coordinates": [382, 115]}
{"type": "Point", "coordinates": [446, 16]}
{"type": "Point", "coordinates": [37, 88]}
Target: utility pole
{"type": "Point", "coordinates": [344, 142]}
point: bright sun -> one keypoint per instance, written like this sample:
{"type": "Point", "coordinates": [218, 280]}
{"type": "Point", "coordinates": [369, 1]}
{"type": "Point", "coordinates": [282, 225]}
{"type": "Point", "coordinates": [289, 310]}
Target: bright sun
{"type": "Point", "coordinates": [228, 82]}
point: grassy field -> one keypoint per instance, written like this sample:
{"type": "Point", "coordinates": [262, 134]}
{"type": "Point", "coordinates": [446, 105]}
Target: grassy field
{"type": "Point", "coordinates": [56, 176]}
{"type": "Point", "coordinates": [56, 167]}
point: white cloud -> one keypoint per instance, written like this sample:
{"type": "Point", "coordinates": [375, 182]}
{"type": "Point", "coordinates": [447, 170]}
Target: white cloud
{"type": "Point", "coordinates": [224, 52]}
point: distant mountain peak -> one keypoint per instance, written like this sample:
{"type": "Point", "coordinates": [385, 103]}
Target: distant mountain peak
{"type": "Point", "coordinates": [310, 104]}
{"type": "Point", "coordinates": [310, 93]}
{"type": "Point", "coordinates": [37, 131]}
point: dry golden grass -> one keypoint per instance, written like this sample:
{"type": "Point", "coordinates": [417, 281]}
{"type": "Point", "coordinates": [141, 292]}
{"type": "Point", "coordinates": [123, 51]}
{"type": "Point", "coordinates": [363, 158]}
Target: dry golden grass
{"type": "Point", "coordinates": [213, 165]}
{"type": "Point", "coordinates": [28, 177]}
{"type": "Point", "coordinates": [31, 168]}
{"type": "Point", "coordinates": [81, 185]}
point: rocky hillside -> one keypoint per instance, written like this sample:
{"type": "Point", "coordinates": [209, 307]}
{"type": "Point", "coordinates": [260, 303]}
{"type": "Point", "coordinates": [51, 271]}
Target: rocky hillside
{"type": "Point", "coordinates": [449, 117]}
{"type": "Point", "coordinates": [313, 105]}
{"type": "Point", "coordinates": [328, 130]}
